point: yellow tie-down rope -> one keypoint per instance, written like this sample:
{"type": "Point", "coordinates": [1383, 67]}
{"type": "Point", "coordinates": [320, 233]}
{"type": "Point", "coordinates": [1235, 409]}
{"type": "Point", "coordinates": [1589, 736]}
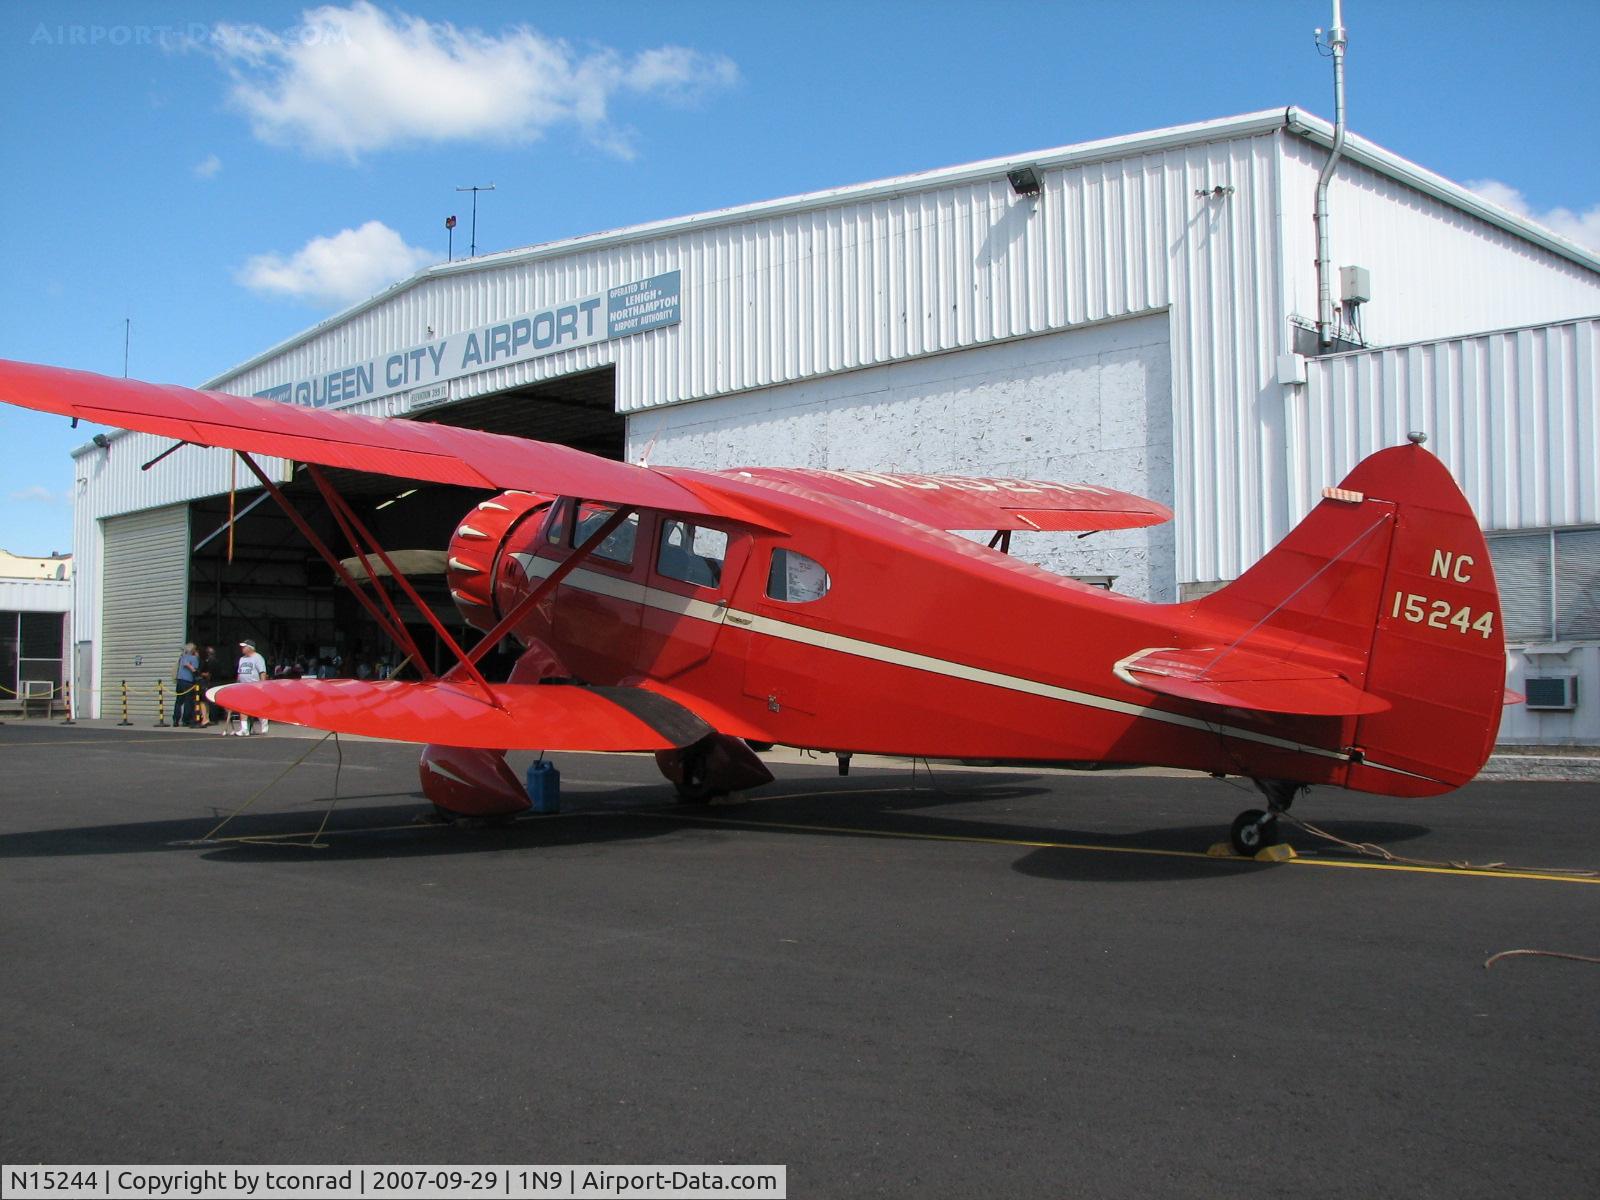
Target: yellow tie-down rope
{"type": "Point", "coordinates": [315, 843]}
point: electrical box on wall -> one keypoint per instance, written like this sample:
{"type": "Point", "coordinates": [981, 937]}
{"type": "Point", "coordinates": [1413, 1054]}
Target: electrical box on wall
{"type": "Point", "coordinates": [1355, 285]}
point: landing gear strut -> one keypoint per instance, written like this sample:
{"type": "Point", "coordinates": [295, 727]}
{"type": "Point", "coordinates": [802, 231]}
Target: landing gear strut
{"type": "Point", "coordinates": [1254, 829]}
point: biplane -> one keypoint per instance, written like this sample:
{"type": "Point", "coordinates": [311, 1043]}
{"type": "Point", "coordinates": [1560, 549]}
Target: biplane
{"type": "Point", "coordinates": [695, 614]}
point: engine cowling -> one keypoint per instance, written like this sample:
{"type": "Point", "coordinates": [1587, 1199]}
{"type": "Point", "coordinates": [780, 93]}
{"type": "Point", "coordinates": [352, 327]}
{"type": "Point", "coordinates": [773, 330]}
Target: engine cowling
{"type": "Point", "coordinates": [477, 546]}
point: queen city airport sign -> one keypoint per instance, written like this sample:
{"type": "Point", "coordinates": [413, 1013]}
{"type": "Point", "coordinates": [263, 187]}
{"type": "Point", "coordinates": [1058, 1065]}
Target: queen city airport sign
{"type": "Point", "coordinates": [617, 312]}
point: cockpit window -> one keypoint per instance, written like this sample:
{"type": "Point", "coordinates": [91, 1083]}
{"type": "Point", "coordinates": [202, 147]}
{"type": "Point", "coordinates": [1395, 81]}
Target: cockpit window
{"type": "Point", "coordinates": [618, 544]}
{"type": "Point", "coordinates": [795, 578]}
{"type": "Point", "coordinates": [692, 553]}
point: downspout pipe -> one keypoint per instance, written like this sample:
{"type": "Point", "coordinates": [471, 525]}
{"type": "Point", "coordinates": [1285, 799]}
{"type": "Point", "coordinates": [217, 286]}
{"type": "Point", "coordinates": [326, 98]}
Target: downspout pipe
{"type": "Point", "coordinates": [1336, 43]}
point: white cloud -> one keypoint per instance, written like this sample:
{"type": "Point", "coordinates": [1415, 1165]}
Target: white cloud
{"type": "Point", "coordinates": [357, 79]}
{"type": "Point", "coordinates": [208, 167]}
{"type": "Point", "coordinates": [348, 266]}
{"type": "Point", "coordinates": [1583, 228]}
{"type": "Point", "coordinates": [40, 495]}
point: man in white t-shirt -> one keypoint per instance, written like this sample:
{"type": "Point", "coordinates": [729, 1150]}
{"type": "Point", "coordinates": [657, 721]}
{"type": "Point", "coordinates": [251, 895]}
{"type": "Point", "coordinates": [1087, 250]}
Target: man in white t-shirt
{"type": "Point", "coordinates": [252, 669]}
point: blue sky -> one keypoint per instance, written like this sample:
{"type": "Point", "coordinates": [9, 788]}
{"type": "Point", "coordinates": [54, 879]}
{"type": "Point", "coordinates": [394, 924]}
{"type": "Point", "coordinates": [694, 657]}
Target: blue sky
{"type": "Point", "coordinates": [227, 174]}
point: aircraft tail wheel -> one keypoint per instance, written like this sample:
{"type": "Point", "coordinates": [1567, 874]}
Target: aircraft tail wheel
{"type": "Point", "coordinates": [1253, 830]}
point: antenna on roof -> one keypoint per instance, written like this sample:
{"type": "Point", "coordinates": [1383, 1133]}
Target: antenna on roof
{"type": "Point", "coordinates": [475, 189]}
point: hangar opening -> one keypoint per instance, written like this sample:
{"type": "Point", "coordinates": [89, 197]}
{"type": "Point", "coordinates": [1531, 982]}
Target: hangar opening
{"type": "Point", "coordinates": [277, 590]}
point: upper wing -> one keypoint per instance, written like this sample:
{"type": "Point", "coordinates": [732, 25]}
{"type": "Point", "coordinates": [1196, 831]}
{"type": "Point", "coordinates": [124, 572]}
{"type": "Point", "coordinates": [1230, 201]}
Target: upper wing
{"type": "Point", "coordinates": [961, 502]}
{"type": "Point", "coordinates": [409, 449]}
{"type": "Point", "coordinates": [529, 716]}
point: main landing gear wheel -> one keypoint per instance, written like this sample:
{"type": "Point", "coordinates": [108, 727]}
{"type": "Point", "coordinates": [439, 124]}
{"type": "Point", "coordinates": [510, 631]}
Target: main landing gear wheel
{"type": "Point", "coordinates": [694, 788]}
{"type": "Point", "coordinates": [1253, 830]}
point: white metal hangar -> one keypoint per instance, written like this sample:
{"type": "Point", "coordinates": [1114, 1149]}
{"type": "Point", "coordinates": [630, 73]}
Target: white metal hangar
{"type": "Point", "coordinates": [1141, 312]}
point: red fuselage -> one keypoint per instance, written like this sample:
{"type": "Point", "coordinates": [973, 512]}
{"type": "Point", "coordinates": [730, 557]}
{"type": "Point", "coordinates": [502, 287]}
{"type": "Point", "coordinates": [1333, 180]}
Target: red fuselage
{"type": "Point", "coordinates": [914, 642]}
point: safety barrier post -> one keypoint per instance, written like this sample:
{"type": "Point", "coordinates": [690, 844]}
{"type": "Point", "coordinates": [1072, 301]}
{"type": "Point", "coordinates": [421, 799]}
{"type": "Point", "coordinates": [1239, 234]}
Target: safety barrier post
{"type": "Point", "coordinates": [124, 720]}
{"type": "Point", "coordinates": [161, 701]}
{"type": "Point", "coordinates": [66, 696]}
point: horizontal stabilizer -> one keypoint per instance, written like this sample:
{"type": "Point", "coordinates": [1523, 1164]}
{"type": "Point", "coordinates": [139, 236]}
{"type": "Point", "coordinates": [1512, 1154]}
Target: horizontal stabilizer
{"type": "Point", "coordinates": [1240, 679]}
{"type": "Point", "coordinates": [529, 716]}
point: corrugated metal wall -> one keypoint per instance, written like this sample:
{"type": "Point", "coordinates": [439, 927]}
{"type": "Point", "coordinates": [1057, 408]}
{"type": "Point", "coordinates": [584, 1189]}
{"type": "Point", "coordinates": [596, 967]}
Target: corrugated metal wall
{"type": "Point", "coordinates": [1513, 415]}
{"type": "Point", "coordinates": [1436, 271]}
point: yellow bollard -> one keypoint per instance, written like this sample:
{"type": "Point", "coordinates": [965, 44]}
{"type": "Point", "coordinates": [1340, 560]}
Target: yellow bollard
{"type": "Point", "coordinates": [124, 720]}
{"type": "Point", "coordinates": [161, 702]}
{"type": "Point", "coordinates": [66, 697]}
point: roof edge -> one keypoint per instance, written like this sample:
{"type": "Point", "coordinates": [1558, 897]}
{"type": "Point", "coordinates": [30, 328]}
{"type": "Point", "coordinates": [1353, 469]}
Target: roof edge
{"type": "Point", "coordinates": [1370, 154]}
{"type": "Point", "coordinates": [1220, 129]}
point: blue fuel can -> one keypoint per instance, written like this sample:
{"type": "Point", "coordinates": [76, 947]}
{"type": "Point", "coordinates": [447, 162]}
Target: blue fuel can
{"type": "Point", "coordinates": [544, 788]}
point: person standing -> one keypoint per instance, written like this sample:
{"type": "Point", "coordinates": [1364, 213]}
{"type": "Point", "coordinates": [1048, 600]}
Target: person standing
{"type": "Point", "coordinates": [210, 670]}
{"type": "Point", "coordinates": [252, 669]}
{"type": "Point", "coordinates": [188, 681]}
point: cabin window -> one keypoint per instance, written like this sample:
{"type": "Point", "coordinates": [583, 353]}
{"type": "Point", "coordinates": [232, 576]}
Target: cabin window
{"type": "Point", "coordinates": [692, 553]}
{"type": "Point", "coordinates": [796, 579]}
{"type": "Point", "coordinates": [618, 544]}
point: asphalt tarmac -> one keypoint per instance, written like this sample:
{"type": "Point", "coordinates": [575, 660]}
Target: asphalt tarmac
{"type": "Point", "coordinates": [960, 984]}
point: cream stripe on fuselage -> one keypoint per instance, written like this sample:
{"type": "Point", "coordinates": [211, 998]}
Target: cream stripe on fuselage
{"type": "Point", "coordinates": [700, 610]}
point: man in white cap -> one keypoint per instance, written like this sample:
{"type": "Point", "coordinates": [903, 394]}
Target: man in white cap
{"type": "Point", "coordinates": [252, 669]}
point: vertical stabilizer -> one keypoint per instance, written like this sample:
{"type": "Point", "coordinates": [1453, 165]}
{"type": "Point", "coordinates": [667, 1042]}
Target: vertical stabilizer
{"type": "Point", "coordinates": [1388, 583]}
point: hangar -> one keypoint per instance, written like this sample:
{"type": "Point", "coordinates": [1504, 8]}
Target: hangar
{"type": "Point", "coordinates": [1144, 312]}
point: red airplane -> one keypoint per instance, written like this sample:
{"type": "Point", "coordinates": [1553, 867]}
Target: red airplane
{"type": "Point", "coordinates": [695, 614]}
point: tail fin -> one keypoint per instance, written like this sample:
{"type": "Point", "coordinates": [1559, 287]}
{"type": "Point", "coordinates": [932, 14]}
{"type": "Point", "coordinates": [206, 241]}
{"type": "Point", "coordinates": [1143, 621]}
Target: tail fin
{"type": "Point", "coordinates": [1388, 583]}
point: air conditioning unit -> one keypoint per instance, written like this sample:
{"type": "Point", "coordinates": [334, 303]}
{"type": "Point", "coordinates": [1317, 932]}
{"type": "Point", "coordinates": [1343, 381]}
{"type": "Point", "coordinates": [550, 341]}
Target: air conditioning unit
{"type": "Point", "coordinates": [1551, 693]}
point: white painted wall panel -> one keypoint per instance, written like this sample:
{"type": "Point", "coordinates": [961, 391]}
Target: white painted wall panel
{"type": "Point", "coordinates": [1087, 406]}
{"type": "Point", "coordinates": [36, 595]}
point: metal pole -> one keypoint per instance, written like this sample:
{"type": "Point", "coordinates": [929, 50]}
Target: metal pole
{"type": "Point", "coordinates": [1336, 43]}
{"type": "Point", "coordinates": [475, 189]}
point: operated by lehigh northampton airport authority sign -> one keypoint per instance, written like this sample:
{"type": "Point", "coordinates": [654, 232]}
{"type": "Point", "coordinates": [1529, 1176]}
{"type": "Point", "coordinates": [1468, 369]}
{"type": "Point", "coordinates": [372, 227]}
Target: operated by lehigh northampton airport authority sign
{"type": "Point", "coordinates": [423, 372]}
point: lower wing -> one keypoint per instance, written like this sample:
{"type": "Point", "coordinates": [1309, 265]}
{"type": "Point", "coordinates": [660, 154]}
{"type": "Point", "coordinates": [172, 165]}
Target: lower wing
{"type": "Point", "coordinates": [524, 716]}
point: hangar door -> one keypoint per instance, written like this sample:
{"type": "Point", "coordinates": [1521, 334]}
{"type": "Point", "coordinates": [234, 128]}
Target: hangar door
{"type": "Point", "coordinates": [145, 600]}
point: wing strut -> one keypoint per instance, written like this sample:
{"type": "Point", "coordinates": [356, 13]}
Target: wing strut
{"type": "Point", "coordinates": [352, 526]}
{"type": "Point", "coordinates": [360, 537]}
{"type": "Point", "coordinates": [401, 637]}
